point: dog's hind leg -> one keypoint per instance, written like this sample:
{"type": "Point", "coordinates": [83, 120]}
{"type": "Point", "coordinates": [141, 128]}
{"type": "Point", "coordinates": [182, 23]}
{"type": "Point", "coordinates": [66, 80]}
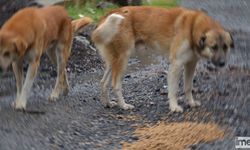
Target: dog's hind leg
{"type": "Point", "coordinates": [189, 70]}
{"type": "Point", "coordinates": [55, 57]}
{"type": "Point", "coordinates": [104, 90]}
{"type": "Point", "coordinates": [62, 84]}
{"type": "Point", "coordinates": [51, 52]}
{"type": "Point", "coordinates": [105, 81]}
{"type": "Point", "coordinates": [62, 54]}
{"type": "Point", "coordinates": [118, 68]}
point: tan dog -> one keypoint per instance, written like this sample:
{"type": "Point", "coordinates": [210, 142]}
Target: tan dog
{"type": "Point", "coordinates": [80, 23]}
{"type": "Point", "coordinates": [182, 35]}
{"type": "Point", "coordinates": [26, 36]}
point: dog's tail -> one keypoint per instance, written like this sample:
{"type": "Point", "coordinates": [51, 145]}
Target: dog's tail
{"type": "Point", "coordinates": [80, 23]}
{"type": "Point", "coordinates": [107, 29]}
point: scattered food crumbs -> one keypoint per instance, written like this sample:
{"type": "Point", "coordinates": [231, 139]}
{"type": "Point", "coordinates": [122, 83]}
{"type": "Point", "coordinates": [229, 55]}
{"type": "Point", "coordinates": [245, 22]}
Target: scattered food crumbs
{"type": "Point", "coordinates": [178, 136]}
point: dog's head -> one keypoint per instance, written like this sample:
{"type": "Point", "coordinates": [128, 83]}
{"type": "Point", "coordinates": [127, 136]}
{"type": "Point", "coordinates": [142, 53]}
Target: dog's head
{"type": "Point", "coordinates": [11, 48]}
{"type": "Point", "coordinates": [215, 45]}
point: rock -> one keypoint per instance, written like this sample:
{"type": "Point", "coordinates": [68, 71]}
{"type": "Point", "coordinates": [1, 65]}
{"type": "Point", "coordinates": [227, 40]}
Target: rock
{"type": "Point", "coordinates": [164, 90]}
{"type": "Point", "coordinates": [104, 5]}
{"type": "Point", "coordinates": [8, 8]}
{"type": "Point", "coordinates": [128, 2]}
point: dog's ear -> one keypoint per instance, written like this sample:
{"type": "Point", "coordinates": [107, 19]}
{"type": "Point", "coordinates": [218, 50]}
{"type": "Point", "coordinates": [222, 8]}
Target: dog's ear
{"type": "Point", "coordinates": [20, 46]}
{"type": "Point", "coordinates": [202, 42]}
{"type": "Point", "coordinates": [229, 39]}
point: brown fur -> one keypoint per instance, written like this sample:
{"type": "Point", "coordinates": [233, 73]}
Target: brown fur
{"type": "Point", "coordinates": [78, 24]}
{"type": "Point", "coordinates": [180, 34]}
{"type": "Point", "coordinates": [26, 36]}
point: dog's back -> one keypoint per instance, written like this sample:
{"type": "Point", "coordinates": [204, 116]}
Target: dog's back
{"type": "Point", "coordinates": [150, 24]}
{"type": "Point", "coordinates": [47, 22]}
{"type": "Point", "coordinates": [55, 23]}
{"type": "Point", "coordinates": [147, 20]}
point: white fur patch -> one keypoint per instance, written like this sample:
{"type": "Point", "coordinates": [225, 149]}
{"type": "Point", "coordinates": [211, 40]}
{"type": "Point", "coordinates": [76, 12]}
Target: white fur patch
{"type": "Point", "coordinates": [115, 16]}
{"type": "Point", "coordinates": [109, 28]}
{"type": "Point", "coordinates": [184, 53]}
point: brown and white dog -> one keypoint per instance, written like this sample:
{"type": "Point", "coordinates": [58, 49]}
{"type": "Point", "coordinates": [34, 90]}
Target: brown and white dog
{"type": "Point", "coordinates": [26, 36]}
{"type": "Point", "coordinates": [182, 35]}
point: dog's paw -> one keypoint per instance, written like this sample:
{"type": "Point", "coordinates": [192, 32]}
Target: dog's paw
{"type": "Point", "coordinates": [18, 105]}
{"type": "Point", "coordinates": [176, 108]}
{"type": "Point", "coordinates": [53, 97]}
{"type": "Point", "coordinates": [126, 106]}
{"type": "Point", "coordinates": [110, 104]}
{"type": "Point", "coordinates": [194, 103]}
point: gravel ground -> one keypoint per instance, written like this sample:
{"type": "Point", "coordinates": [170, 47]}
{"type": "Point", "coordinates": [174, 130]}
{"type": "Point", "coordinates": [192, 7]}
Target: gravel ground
{"type": "Point", "coordinates": [78, 121]}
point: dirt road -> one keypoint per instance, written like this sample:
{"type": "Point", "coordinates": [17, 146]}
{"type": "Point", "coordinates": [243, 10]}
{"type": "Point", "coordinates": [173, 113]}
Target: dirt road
{"type": "Point", "coordinates": [78, 121]}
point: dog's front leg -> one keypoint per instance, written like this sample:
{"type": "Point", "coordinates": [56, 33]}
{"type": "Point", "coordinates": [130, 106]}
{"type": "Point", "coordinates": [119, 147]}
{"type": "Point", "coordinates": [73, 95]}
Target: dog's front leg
{"type": "Point", "coordinates": [188, 83]}
{"type": "Point", "coordinates": [17, 67]}
{"type": "Point", "coordinates": [173, 78]}
{"type": "Point", "coordinates": [20, 103]}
